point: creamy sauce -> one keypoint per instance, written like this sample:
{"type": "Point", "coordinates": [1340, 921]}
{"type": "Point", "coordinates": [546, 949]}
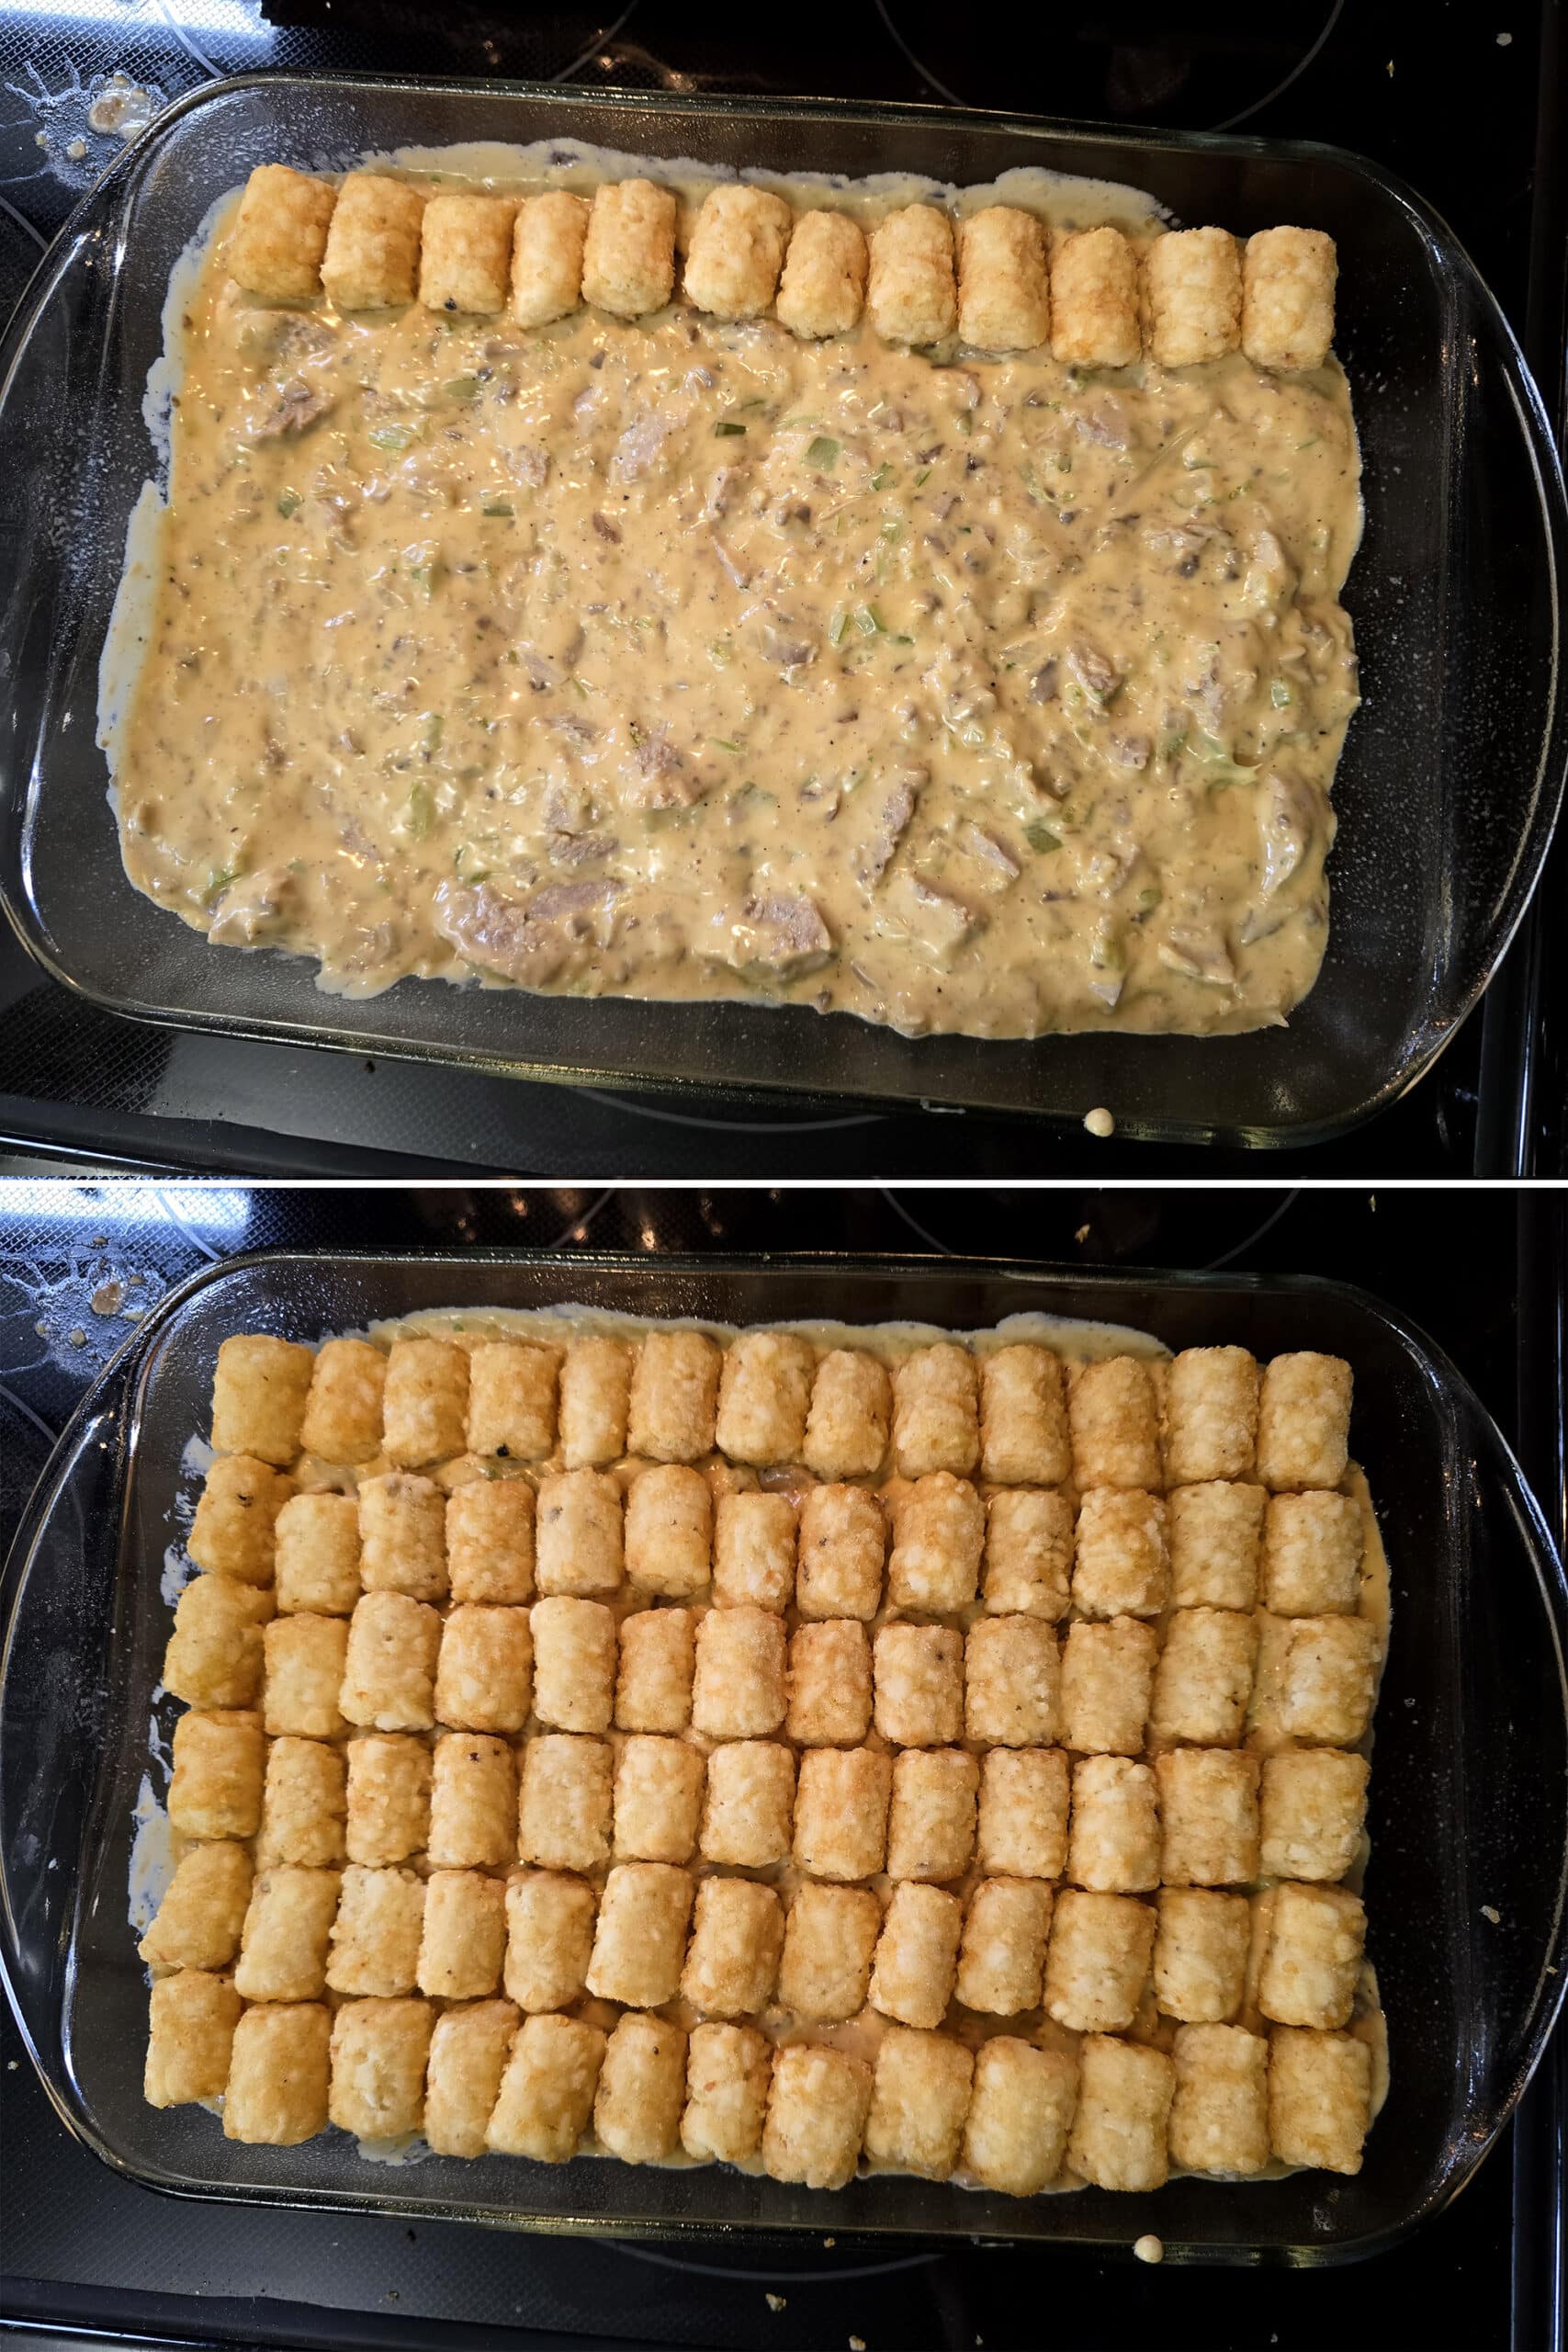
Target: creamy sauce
{"type": "Point", "coordinates": [684, 659]}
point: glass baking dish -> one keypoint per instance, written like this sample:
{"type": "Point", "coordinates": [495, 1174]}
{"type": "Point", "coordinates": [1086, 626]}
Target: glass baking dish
{"type": "Point", "coordinates": [1468, 1796]}
{"type": "Point", "coordinates": [1446, 796]}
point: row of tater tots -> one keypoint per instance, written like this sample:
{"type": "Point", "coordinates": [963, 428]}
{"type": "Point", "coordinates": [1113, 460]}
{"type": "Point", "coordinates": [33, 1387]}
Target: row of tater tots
{"type": "Point", "coordinates": [1016, 1417]}
{"type": "Point", "coordinates": [998, 278]}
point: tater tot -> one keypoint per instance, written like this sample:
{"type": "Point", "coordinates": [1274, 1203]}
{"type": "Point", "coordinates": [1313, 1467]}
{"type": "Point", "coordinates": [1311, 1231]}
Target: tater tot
{"type": "Point", "coordinates": [764, 1392]}
{"type": "Point", "coordinates": [1115, 1847]}
{"type": "Point", "coordinates": [829, 1938]}
{"type": "Point", "coordinates": [1098, 1959]}
{"type": "Point", "coordinates": [1304, 1423]}
{"type": "Point", "coordinates": [931, 1819]}
{"type": "Point", "coordinates": [1012, 1683]}
{"type": "Point", "coordinates": [1327, 1679]}
{"type": "Point", "coordinates": [1312, 1955]}
{"type": "Point", "coordinates": [1208, 1803]}
{"type": "Point", "coordinates": [1286, 310]}
{"type": "Point", "coordinates": [468, 2052]}
{"type": "Point", "coordinates": [674, 1390]}
{"type": "Point", "coordinates": [728, 2068]}
{"type": "Point", "coordinates": [733, 263]}
{"type": "Point", "coordinates": [215, 1787]}
{"type": "Point", "coordinates": [639, 1937]}
{"type": "Point", "coordinates": [733, 1961]}
{"type": "Point", "coordinates": [512, 1400]}
{"type": "Point", "coordinates": [547, 256]}
{"type": "Point", "coordinates": [595, 1395]}
{"type": "Point", "coordinates": [1122, 1560]}
{"type": "Point", "coordinates": [749, 1808]}
{"type": "Point", "coordinates": [379, 2053]}
{"type": "Point", "coordinates": [574, 1663]}
{"type": "Point", "coordinates": [375, 1935]}
{"type": "Point", "coordinates": [1020, 2110]}
{"type": "Point", "coordinates": [852, 1396]}
{"type": "Point", "coordinates": [1004, 300]}
{"type": "Point", "coordinates": [912, 297]}
{"type": "Point", "coordinates": [342, 1409]}
{"type": "Point", "coordinates": [465, 264]}
{"type": "Point", "coordinates": [402, 1535]}
{"type": "Point", "coordinates": [641, 2089]}
{"type": "Point", "coordinates": [1216, 1534]}
{"type": "Point", "coordinates": [1029, 1553]}
{"type": "Point", "coordinates": [279, 234]}
{"type": "Point", "coordinates": [1094, 303]}
{"type": "Point", "coordinates": [1313, 1806]}
{"type": "Point", "coordinates": [564, 1802]}
{"type": "Point", "coordinates": [1201, 1948]}
{"type": "Point", "coordinates": [262, 1384]}
{"type": "Point", "coordinates": [629, 269]}
{"type": "Point", "coordinates": [919, 2098]}
{"type": "Point", "coordinates": [464, 1934]}
{"type": "Point", "coordinates": [1193, 277]}
{"type": "Point", "coordinates": [1001, 1959]}
{"type": "Point", "coordinates": [1312, 1554]}
{"type": "Point", "coordinates": [1024, 1415]}
{"type": "Point", "coordinates": [490, 1542]}
{"type": "Point", "coordinates": [473, 1802]}
{"type": "Point", "coordinates": [1219, 2117]}
{"type": "Point", "coordinates": [939, 1536]}
{"type": "Point", "coordinates": [371, 262]}
{"type": "Point", "coordinates": [754, 1551]}
{"type": "Point", "coordinates": [738, 1689]}
{"type": "Point", "coordinates": [483, 1670]}
{"type": "Point", "coordinates": [936, 1391]}
{"type": "Point", "coordinates": [318, 1555]}
{"type": "Point", "coordinates": [1203, 1680]}
{"type": "Point", "coordinates": [549, 1939]}
{"type": "Point", "coordinates": [829, 1683]}
{"type": "Point", "coordinates": [546, 2089]}
{"type": "Point", "coordinates": [276, 2091]}
{"type": "Point", "coordinates": [389, 1678]}
{"type": "Point", "coordinates": [657, 1799]}
{"type": "Point", "coordinates": [214, 1658]}
{"type": "Point", "coordinates": [283, 1945]}
{"type": "Point", "coordinates": [1023, 1827]}
{"type": "Point", "coordinates": [388, 1799]}
{"type": "Point", "coordinates": [917, 1954]}
{"type": "Point", "coordinates": [198, 1922]}
{"type": "Point", "coordinates": [1113, 1414]}
{"type": "Point", "coordinates": [1211, 1403]}
{"type": "Point", "coordinates": [1108, 1674]}
{"type": "Point", "coordinates": [233, 1532]}
{"type": "Point", "coordinates": [190, 2037]}
{"type": "Point", "coordinates": [657, 1658]}
{"type": "Point", "coordinates": [1320, 2098]}
{"type": "Point", "coordinates": [1119, 2133]}
{"type": "Point", "coordinates": [669, 1531]}
{"type": "Point", "coordinates": [425, 1405]}
{"type": "Point", "coordinates": [305, 1661]}
{"type": "Point", "coordinates": [840, 1811]}
{"type": "Point", "coordinates": [818, 2104]}
{"type": "Point", "coordinates": [844, 1542]}
{"type": "Point", "coordinates": [821, 293]}
{"type": "Point", "coordinates": [919, 1685]}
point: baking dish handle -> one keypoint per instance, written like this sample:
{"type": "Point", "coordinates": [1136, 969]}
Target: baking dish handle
{"type": "Point", "coordinates": [57, 1595]}
{"type": "Point", "coordinates": [1513, 1637]}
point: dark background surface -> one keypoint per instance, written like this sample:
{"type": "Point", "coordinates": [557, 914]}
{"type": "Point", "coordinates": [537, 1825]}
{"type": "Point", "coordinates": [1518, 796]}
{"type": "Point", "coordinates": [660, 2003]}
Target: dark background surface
{"type": "Point", "coordinates": [1460, 99]}
{"type": "Point", "coordinates": [1481, 1271]}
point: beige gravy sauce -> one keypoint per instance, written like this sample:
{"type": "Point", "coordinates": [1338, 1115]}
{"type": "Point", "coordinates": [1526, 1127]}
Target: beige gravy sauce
{"type": "Point", "coordinates": [685, 660]}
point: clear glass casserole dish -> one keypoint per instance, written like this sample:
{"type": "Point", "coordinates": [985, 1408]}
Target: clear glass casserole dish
{"type": "Point", "coordinates": [1469, 1818]}
{"type": "Point", "coordinates": [1446, 796]}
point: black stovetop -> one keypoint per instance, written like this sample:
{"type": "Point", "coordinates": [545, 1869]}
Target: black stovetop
{"type": "Point", "coordinates": [85, 2249]}
{"type": "Point", "coordinates": [1458, 99]}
